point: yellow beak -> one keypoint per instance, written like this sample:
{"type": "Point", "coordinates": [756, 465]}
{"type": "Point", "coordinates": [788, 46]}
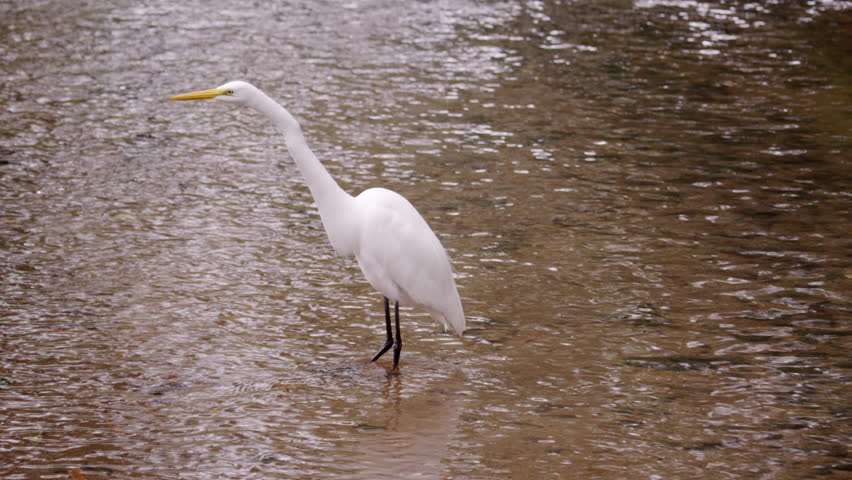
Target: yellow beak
{"type": "Point", "coordinates": [201, 94]}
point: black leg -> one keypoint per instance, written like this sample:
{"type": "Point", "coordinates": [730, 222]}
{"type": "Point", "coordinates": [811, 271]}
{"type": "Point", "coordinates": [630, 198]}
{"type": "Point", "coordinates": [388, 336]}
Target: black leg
{"type": "Point", "coordinates": [397, 347]}
{"type": "Point", "coordinates": [389, 341]}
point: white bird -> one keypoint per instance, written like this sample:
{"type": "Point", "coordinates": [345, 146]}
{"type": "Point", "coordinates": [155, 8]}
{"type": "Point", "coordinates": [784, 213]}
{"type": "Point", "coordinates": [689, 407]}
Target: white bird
{"type": "Point", "coordinates": [397, 251]}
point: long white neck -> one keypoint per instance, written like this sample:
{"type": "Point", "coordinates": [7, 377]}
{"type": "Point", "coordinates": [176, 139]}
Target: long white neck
{"type": "Point", "coordinates": [335, 205]}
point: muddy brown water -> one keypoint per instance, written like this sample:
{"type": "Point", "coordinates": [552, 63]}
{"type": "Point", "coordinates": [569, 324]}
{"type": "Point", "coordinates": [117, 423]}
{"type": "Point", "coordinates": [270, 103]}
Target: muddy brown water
{"type": "Point", "coordinates": [647, 204]}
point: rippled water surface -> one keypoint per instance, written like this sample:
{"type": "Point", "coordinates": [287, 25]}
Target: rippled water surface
{"type": "Point", "coordinates": [647, 205]}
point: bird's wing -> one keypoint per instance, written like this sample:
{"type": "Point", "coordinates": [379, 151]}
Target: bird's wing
{"type": "Point", "coordinates": [401, 256]}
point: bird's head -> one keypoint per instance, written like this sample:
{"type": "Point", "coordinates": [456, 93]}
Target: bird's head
{"type": "Point", "coordinates": [241, 93]}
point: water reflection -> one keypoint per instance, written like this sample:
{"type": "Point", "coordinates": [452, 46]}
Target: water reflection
{"type": "Point", "coordinates": [647, 205]}
{"type": "Point", "coordinates": [408, 436]}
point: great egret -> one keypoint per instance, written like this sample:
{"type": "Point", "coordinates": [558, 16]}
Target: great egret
{"type": "Point", "coordinates": [395, 248]}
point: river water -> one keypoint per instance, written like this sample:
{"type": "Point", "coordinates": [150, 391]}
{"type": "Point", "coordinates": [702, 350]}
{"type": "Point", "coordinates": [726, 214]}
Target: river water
{"type": "Point", "coordinates": [647, 205]}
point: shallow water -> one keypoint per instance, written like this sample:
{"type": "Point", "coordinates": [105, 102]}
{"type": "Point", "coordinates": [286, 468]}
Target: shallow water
{"type": "Point", "coordinates": [647, 205]}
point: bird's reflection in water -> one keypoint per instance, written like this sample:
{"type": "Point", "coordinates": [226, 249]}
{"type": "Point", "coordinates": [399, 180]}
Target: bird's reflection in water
{"type": "Point", "coordinates": [410, 433]}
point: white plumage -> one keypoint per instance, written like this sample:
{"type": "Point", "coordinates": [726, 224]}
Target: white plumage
{"type": "Point", "coordinates": [397, 251]}
{"type": "Point", "coordinates": [407, 262]}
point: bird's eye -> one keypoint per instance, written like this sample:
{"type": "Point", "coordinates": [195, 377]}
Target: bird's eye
{"type": "Point", "coordinates": [230, 92]}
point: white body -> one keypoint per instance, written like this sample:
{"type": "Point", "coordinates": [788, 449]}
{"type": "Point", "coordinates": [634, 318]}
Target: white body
{"type": "Point", "coordinates": [403, 259]}
{"type": "Point", "coordinates": [397, 251]}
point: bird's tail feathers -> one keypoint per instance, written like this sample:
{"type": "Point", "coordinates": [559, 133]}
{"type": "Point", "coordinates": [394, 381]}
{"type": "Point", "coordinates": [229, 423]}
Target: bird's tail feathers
{"type": "Point", "coordinates": [452, 318]}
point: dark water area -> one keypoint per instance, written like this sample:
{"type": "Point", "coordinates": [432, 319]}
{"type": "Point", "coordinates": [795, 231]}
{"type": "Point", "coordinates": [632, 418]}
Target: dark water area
{"type": "Point", "coordinates": [647, 205]}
